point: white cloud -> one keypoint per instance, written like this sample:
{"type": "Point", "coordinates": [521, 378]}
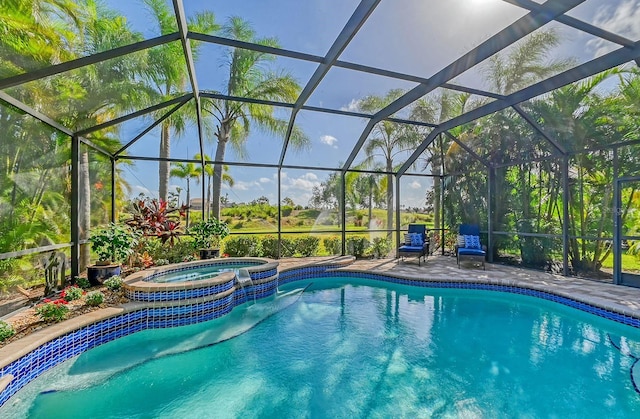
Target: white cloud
{"type": "Point", "coordinates": [415, 185]}
{"type": "Point", "coordinates": [264, 180]}
{"type": "Point", "coordinates": [329, 140]}
{"type": "Point", "coordinates": [299, 188]}
{"type": "Point", "coordinates": [352, 106]}
{"type": "Point", "coordinates": [623, 20]}
{"type": "Point", "coordinates": [244, 186]}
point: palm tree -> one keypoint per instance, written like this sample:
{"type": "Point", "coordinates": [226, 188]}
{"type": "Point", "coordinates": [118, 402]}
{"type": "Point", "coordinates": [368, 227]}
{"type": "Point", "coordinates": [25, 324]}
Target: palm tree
{"type": "Point", "coordinates": [386, 141]}
{"type": "Point", "coordinates": [187, 171]}
{"type": "Point", "coordinates": [248, 76]}
{"type": "Point", "coordinates": [209, 173]}
{"type": "Point", "coordinates": [167, 74]}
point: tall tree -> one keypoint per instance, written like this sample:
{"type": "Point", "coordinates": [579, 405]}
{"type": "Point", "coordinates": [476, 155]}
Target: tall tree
{"type": "Point", "coordinates": [209, 174]}
{"type": "Point", "coordinates": [387, 141]}
{"type": "Point", "coordinates": [187, 171]}
{"type": "Point", "coordinates": [167, 73]}
{"type": "Point", "coordinates": [248, 75]}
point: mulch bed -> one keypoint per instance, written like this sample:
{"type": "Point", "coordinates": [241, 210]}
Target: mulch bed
{"type": "Point", "coordinates": [27, 321]}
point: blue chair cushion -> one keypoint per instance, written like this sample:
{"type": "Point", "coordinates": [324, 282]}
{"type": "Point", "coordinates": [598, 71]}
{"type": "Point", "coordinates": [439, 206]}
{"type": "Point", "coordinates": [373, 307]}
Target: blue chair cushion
{"type": "Point", "coordinates": [411, 249]}
{"type": "Point", "coordinates": [472, 242]}
{"type": "Point", "coordinates": [416, 240]}
{"type": "Point", "coordinates": [471, 252]}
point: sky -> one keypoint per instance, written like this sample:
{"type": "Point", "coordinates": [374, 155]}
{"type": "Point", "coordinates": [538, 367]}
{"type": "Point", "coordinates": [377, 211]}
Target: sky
{"type": "Point", "coordinates": [417, 37]}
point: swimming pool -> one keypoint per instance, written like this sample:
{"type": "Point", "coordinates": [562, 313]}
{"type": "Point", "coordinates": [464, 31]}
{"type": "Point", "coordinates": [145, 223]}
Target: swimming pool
{"type": "Point", "coordinates": [351, 347]}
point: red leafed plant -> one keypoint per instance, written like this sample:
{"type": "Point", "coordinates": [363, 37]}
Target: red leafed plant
{"type": "Point", "coordinates": [154, 217]}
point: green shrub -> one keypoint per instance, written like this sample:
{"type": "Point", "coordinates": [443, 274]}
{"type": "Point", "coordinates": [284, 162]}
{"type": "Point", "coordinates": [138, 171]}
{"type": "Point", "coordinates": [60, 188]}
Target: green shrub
{"type": "Point", "coordinates": [161, 262]}
{"type": "Point", "coordinates": [72, 293]}
{"type": "Point", "coordinates": [240, 246]}
{"type": "Point", "coordinates": [357, 246]}
{"type": "Point", "coordinates": [307, 245]}
{"type": "Point", "coordinates": [175, 254]}
{"type": "Point", "coordinates": [6, 331]}
{"type": "Point", "coordinates": [380, 247]}
{"type": "Point", "coordinates": [269, 247]}
{"type": "Point", "coordinates": [52, 311]}
{"type": "Point", "coordinates": [114, 283]}
{"type": "Point", "coordinates": [288, 248]}
{"type": "Point", "coordinates": [287, 210]}
{"type": "Point", "coordinates": [95, 298]}
{"type": "Point", "coordinates": [333, 245]}
{"type": "Point", "coordinates": [82, 282]}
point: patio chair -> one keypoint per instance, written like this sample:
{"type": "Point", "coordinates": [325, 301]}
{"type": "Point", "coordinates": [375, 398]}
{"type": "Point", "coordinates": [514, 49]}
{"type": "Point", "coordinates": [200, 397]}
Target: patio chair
{"type": "Point", "coordinates": [416, 243]}
{"type": "Point", "coordinates": [468, 246]}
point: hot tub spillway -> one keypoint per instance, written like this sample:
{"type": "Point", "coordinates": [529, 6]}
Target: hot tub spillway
{"type": "Point", "coordinates": [243, 278]}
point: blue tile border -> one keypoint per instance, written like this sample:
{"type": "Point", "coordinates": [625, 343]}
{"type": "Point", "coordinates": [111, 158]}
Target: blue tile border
{"type": "Point", "coordinates": [64, 347]}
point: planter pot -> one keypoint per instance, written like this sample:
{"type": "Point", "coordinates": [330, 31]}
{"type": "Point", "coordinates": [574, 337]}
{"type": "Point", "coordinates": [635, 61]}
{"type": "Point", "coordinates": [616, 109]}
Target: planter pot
{"type": "Point", "coordinates": [96, 274]}
{"type": "Point", "coordinates": [209, 253]}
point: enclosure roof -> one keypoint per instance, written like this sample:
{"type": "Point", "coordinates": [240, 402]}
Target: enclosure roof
{"type": "Point", "coordinates": [339, 51]}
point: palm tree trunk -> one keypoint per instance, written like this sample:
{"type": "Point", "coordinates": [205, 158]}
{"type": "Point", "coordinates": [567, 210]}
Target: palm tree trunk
{"type": "Point", "coordinates": [223, 137]}
{"type": "Point", "coordinates": [188, 200]}
{"type": "Point", "coordinates": [209, 185]}
{"type": "Point", "coordinates": [84, 211]}
{"type": "Point", "coordinates": [164, 166]}
{"type": "Point", "coordinates": [390, 197]}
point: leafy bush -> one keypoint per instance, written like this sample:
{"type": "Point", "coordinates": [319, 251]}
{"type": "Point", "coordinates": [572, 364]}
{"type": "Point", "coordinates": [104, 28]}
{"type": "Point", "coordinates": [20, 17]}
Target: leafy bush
{"type": "Point", "coordinates": [380, 247]}
{"type": "Point", "coordinates": [357, 246]}
{"type": "Point", "coordinates": [52, 311]}
{"type": "Point", "coordinates": [175, 254]}
{"type": "Point", "coordinates": [95, 298]}
{"type": "Point", "coordinates": [287, 210]}
{"type": "Point", "coordinates": [307, 245]}
{"type": "Point", "coordinates": [269, 247]}
{"type": "Point", "coordinates": [72, 293]}
{"type": "Point", "coordinates": [240, 246]}
{"type": "Point", "coordinates": [114, 283]}
{"type": "Point", "coordinates": [333, 245]}
{"type": "Point", "coordinates": [162, 262]}
{"type": "Point", "coordinates": [114, 242]}
{"type": "Point", "coordinates": [82, 282]}
{"type": "Point", "coordinates": [6, 330]}
{"type": "Point", "coordinates": [207, 234]}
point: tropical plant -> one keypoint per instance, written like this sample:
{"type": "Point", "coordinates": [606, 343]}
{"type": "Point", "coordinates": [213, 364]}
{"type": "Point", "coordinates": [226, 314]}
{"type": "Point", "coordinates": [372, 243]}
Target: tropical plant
{"type": "Point", "coordinates": [207, 234]}
{"type": "Point", "coordinates": [153, 217]}
{"type": "Point", "coordinates": [167, 73]}
{"type": "Point", "coordinates": [388, 140]}
{"type": "Point", "coordinates": [209, 174]}
{"type": "Point", "coordinates": [248, 75]}
{"type": "Point", "coordinates": [186, 171]}
{"type": "Point", "coordinates": [115, 242]}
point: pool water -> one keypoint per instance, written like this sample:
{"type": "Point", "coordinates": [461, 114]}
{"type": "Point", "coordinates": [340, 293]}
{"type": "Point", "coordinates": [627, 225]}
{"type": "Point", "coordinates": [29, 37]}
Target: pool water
{"type": "Point", "coordinates": [355, 348]}
{"type": "Point", "coordinates": [200, 273]}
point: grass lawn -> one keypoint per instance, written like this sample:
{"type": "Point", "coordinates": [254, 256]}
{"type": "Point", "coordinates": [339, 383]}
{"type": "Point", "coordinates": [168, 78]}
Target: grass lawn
{"type": "Point", "coordinates": [629, 263]}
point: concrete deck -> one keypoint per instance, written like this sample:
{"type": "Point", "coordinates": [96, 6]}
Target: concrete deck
{"type": "Point", "coordinates": [622, 299]}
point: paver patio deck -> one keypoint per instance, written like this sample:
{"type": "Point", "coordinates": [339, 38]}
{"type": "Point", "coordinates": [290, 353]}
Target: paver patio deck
{"type": "Point", "coordinates": [618, 298]}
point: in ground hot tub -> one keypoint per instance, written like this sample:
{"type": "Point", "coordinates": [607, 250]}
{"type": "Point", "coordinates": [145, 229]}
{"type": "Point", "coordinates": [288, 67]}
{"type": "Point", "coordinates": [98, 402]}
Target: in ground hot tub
{"type": "Point", "coordinates": [202, 278]}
